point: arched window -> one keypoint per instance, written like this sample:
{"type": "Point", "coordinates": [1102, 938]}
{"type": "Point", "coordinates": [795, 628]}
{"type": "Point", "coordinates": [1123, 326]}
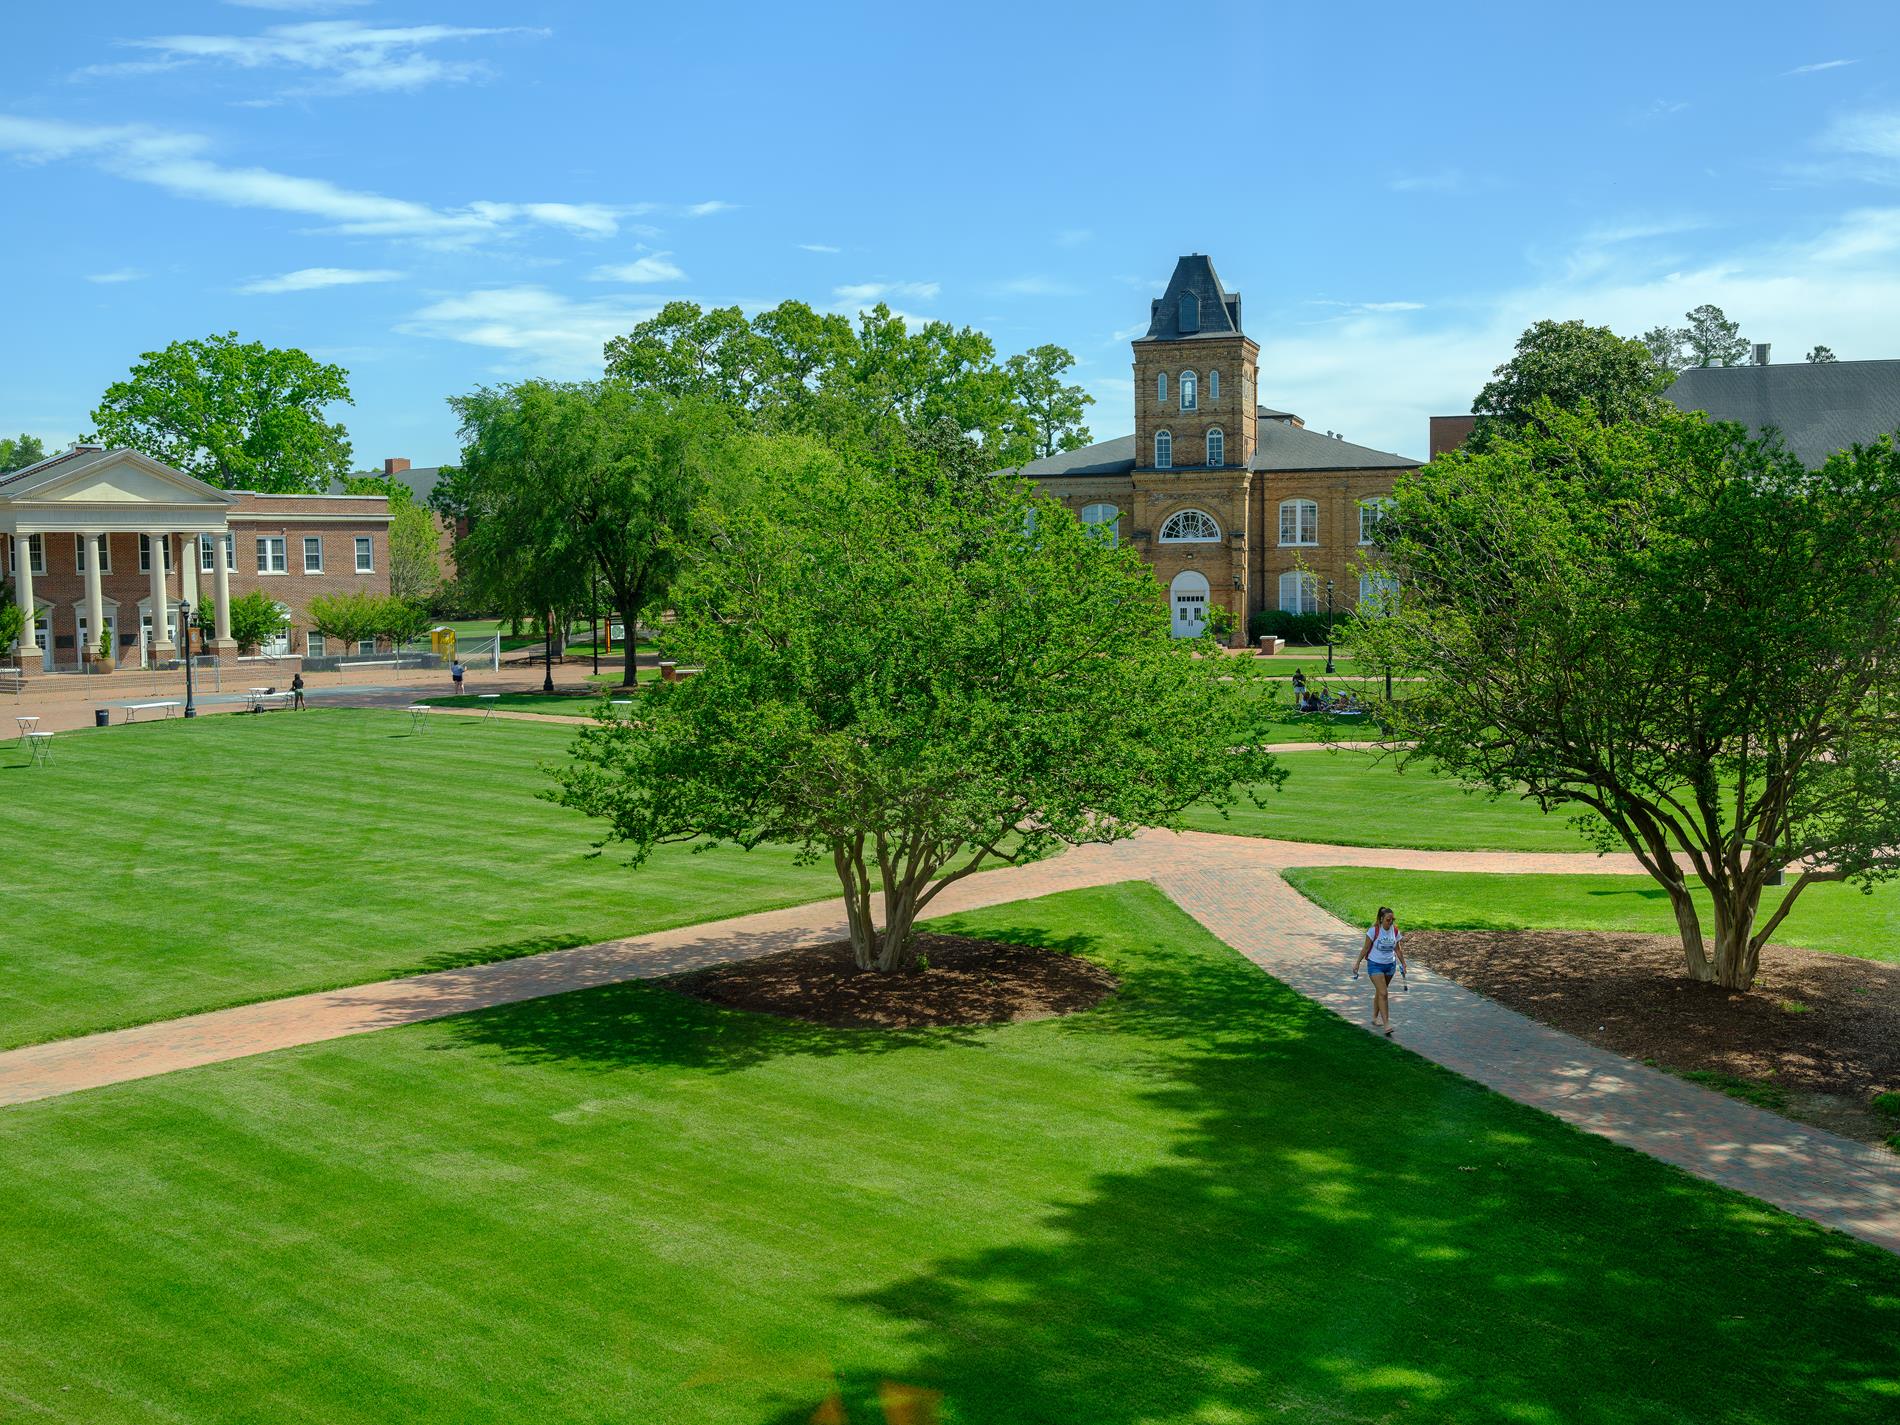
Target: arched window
{"type": "Point", "coordinates": [1190, 312]}
{"type": "Point", "coordinates": [1299, 593]}
{"type": "Point", "coordinates": [1188, 393]}
{"type": "Point", "coordinates": [1161, 385]}
{"type": "Point", "coordinates": [1190, 527]}
{"type": "Point", "coordinates": [1299, 522]}
{"type": "Point", "coordinates": [1100, 521]}
{"type": "Point", "coordinates": [1379, 592]}
{"type": "Point", "coordinates": [1164, 450]}
{"type": "Point", "coordinates": [1370, 513]}
{"type": "Point", "coordinates": [1216, 447]}
{"type": "Point", "coordinates": [1213, 385]}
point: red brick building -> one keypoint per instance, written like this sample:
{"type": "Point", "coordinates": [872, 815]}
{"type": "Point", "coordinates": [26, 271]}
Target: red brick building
{"type": "Point", "coordinates": [112, 540]}
{"type": "Point", "coordinates": [1235, 504]}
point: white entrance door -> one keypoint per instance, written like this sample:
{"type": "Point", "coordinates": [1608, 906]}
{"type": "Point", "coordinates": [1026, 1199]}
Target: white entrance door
{"type": "Point", "coordinates": [145, 634]}
{"type": "Point", "coordinates": [1189, 596]}
{"type": "Point", "coordinates": [43, 635]}
{"type": "Point", "coordinates": [89, 641]}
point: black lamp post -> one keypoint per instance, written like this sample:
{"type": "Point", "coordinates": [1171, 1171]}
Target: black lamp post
{"type": "Point", "coordinates": [184, 634]}
{"type": "Point", "coordinates": [1329, 625]}
{"type": "Point", "coordinates": [547, 656]}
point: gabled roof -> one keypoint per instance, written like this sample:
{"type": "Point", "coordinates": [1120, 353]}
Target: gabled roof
{"type": "Point", "coordinates": [1105, 457]}
{"type": "Point", "coordinates": [77, 458]}
{"type": "Point", "coordinates": [1280, 447]}
{"type": "Point", "coordinates": [1219, 310]}
{"type": "Point", "coordinates": [44, 480]}
{"type": "Point", "coordinates": [421, 480]}
{"type": "Point", "coordinates": [1819, 407]}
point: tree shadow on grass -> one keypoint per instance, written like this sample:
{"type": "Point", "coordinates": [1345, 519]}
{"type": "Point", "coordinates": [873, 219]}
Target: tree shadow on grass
{"type": "Point", "coordinates": [491, 954]}
{"type": "Point", "coordinates": [1340, 1230]}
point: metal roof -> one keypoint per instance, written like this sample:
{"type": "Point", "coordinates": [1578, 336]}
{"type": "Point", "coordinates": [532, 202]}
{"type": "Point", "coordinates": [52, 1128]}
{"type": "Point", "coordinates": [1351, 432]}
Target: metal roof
{"type": "Point", "coordinates": [1219, 309]}
{"type": "Point", "coordinates": [1279, 448]}
{"type": "Point", "coordinates": [1819, 407]}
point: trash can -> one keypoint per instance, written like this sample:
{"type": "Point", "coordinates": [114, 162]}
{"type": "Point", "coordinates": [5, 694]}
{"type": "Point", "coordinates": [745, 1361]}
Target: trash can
{"type": "Point", "coordinates": [102, 717]}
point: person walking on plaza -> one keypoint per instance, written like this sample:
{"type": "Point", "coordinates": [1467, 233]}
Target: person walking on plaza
{"type": "Point", "coordinates": [1381, 954]}
{"type": "Point", "coordinates": [456, 670]}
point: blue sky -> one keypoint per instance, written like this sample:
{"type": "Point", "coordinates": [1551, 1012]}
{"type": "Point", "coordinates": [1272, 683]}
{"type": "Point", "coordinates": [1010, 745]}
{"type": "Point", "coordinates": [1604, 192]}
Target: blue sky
{"type": "Point", "coordinates": [437, 195]}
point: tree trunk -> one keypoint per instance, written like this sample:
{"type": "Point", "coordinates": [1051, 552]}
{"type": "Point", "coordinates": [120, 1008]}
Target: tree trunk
{"type": "Point", "coordinates": [1690, 928]}
{"type": "Point", "coordinates": [892, 947]}
{"type": "Point", "coordinates": [1736, 959]}
{"type": "Point", "coordinates": [630, 673]}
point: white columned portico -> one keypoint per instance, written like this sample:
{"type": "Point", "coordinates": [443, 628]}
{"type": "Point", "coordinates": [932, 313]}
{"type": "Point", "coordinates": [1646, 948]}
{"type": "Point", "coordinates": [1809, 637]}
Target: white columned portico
{"type": "Point", "coordinates": [222, 643]}
{"type": "Point", "coordinates": [23, 594]}
{"type": "Point", "coordinates": [162, 647]}
{"type": "Point", "coordinates": [95, 598]}
{"type": "Point", "coordinates": [187, 585]}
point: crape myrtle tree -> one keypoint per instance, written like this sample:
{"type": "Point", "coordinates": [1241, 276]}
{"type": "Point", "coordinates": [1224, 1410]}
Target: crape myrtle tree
{"type": "Point", "coordinates": [1670, 625]}
{"type": "Point", "coordinates": [239, 415]}
{"type": "Point", "coordinates": [913, 679]}
{"type": "Point", "coordinates": [563, 484]}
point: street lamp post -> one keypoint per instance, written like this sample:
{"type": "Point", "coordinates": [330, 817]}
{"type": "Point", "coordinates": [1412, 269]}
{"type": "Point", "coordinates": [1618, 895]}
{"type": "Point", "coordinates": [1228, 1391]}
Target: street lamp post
{"type": "Point", "coordinates": [547, 656]}
{"type": "Point", "coordinates": [184, 634]}
{"type": "Point", "coordinates": [1329, 625]}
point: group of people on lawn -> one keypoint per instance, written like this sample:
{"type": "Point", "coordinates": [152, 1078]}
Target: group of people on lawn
{"type": "Point", "coordinates": [1307, 701]}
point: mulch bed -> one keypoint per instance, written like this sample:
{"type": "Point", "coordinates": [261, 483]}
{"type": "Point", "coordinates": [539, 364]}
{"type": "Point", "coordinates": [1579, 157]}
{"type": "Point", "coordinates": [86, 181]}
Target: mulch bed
{"type": "Point", "coordinates": [968, 982]}
{"type": "Point", "coordinates": [1823, 1028]}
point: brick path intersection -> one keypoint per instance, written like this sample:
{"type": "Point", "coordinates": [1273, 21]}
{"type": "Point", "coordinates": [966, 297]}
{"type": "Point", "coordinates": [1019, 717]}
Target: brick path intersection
{"type": "Point", "coordinates": [1232, 886]}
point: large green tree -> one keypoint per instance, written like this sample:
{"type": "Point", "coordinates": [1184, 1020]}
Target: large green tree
{"type": "Point", "coordinates": [240, 415]}
{"type": "Point", "coordinates": [415, 545]}
{"type": "Point", "coordinates": [1570, 365]}
{"type": "Point", "coordinates": [1052, 408]}
{"type": "Point", "coordinates": [563, 484]}
{"type": "Point", "coordinates": [912, 679]}
{"type": "Point", "coordinates": [1670, 625]}
{"type": "Point", "coordinates": [1712, 339]}
{"type": "Point", "coordinates": [18, 452]}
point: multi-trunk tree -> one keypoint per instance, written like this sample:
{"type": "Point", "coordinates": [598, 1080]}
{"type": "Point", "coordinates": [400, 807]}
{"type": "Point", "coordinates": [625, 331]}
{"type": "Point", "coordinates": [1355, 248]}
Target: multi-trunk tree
{"type": "Point", "coordinates": [1671, 626]}
{"type": "Point", "coordinates": [912, 679]}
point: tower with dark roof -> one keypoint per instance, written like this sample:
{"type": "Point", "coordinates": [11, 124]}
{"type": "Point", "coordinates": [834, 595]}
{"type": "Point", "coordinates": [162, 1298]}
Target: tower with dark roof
{"type": "Point", "coordinates": [1194, 376]}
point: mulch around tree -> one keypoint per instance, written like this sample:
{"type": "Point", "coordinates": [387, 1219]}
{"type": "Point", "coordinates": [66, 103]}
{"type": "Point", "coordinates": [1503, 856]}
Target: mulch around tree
{"type": "Point", "coordinates": [1822, 1031]}
{"type": "Point", "coordinates": [967, 982]}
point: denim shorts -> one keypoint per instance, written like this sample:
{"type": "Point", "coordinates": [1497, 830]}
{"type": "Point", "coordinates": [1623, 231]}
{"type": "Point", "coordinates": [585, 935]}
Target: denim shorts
{"type": "Point", "coordinates": [1391, 968]}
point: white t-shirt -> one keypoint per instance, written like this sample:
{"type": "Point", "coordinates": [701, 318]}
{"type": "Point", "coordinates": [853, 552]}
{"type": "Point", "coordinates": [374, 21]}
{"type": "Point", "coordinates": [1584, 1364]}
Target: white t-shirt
{"type": "Point", "coordinates": [1385, 944]}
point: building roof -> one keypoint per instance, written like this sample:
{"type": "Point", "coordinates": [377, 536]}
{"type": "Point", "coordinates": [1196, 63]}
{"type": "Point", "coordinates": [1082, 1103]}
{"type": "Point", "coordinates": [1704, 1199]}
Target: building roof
{"type": "Point", "coordinates": [421, 480]}
{"type": "Point", "coordinates": [1218, 308]}
{"type": "Point", "coordinates": [1267, 413]}
{"type": "Point", "coordinates": [1818, 406]}
{"type": "Point", "coordinates": [1279, 448]}
{"type": "Point", "coordinates": [68, 462]}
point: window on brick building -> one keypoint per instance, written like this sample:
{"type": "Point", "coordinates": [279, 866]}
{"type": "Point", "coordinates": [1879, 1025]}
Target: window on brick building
{"type": "Point", "coordinates": [271, 558]}
{"type": "Point", "coordinates": [1190, 312]}
{"type": "Point", "coordinates": [1370, 513]}
{"type": "Point", "coordinates": [1213, 385]}
{"type": "Point", "coordinates": [1299, 522]}
{"type": "Point", "coordinates": [1380, 591]}
{"type": "Point", "coordinates": [312, 554]}
{"type": "Point", "coordinates": [145, 553]}
{"type": "Point", "coordinates": [1100, 521]}
{"type": "Point", "coordinates": [1161, 385]}
{"type": "Point", "coordinates": [1299, 593]}
{"type": "Point", "coordinates": [105, 553]}
{"type": "Point", "coordinates": [365, 555]}
{"type": "Point", "coordinates": [207, 558]}
{"type": "Point", "coordinates": [1164, 450]}
{"type": "Point", "coordinates": [36, 554]}
{"type": "Point", "coordinates": [1190, 527]}
{"type": "Point", "coordinates": [1190, 395]}
{"type": "Point", "coordinates": [1216, 447]}
{"type": "Point", "coordinates": [314, 645]}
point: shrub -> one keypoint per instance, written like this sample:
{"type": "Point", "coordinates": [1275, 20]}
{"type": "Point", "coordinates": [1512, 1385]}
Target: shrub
{"type": "Point", "coordinates": [1294, 628]}
{"type": "Point", "coordinates": [255, 618]}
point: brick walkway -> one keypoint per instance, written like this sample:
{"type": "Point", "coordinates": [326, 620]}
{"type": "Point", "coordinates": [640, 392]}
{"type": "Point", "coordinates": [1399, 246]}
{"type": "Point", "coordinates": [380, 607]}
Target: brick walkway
{"type": "Point", "coordinates": [1232, 885]}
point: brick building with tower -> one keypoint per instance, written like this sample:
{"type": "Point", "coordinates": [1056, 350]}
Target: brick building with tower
{"type": "Point", "coordinates": [1236, 505]}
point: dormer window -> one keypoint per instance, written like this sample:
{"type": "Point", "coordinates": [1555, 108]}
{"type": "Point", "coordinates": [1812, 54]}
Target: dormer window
{"type": "Point", "coordinates": [1190, 312]}
{"type": "Point", "coordinates": [1189, 395]}
{"type": "Point", "coordinates": [1161, 385]}
{"type": "Point", "coordinates": [1164, 450]}
{"type": "Point", "coordinates": [1213, 385]}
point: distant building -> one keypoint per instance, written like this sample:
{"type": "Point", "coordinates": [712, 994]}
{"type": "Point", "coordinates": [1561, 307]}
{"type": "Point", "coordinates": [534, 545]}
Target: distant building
{"type": "Point", "coordinates": [1235, 505]}
{"type": "Point", "coordinates": [421, 480]}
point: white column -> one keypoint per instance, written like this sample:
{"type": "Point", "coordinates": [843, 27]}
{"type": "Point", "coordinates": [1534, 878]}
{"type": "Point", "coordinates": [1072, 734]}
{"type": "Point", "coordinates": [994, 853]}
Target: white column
{"type": "Point", "coordinates": [95, 598]}
{"type": "Point", "coordinates": [187, 582]}
{"type": "Point", "coordinates": [221, 591]}
{"type": "Point", "coordinates": [23, 594]}
{"type": "Point", "coordinates": [162, 646]}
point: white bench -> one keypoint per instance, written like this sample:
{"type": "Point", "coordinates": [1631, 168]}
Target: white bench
{"type": "Point", "coordinates": [132, 710]}
{"type": "Point", "coordinates": [41, 744]}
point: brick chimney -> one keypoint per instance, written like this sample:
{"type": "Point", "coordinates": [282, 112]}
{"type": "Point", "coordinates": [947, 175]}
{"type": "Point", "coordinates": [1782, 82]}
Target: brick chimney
{"type": "Point", "coordinates": [395, 467]}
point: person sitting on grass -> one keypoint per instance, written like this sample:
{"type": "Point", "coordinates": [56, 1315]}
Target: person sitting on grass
{"type": "Point", "coordinates": [1381, 954]}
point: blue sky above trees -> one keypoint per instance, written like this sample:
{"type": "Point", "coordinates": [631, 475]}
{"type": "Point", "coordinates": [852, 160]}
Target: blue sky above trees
{"type": "Point", "coordinates": [439, 194]}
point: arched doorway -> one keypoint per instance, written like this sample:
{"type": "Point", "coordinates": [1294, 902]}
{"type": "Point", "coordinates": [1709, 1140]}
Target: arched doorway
{"type": "Point", "coordinates": [1188, 597]}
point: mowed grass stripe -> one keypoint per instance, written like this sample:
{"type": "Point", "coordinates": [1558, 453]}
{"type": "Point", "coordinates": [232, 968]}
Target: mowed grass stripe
{"type": "Point", "coordinates": [1206, 1200]}
{"type": "Point", "coordinates": [187, 866]}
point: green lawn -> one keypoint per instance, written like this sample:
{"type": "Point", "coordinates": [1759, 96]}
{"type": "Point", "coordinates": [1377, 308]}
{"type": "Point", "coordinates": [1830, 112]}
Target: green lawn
{"type": "Point", "coordinates": [183, 866]}
{"type": "Point", "coordinates": [1829, 916]}
{"type": "Point", "coordinates": [1207, 1201]}
{"type": "Point", "coordinates": [1349, 799]}
{"type": "Point", "coordinates": [566, 703]}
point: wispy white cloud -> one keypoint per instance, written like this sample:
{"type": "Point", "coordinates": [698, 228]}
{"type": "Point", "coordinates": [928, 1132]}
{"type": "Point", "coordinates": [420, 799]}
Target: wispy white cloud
{"type": "Point", "coordinates": [1661, 109]}
{"type": "Point", "coordinates": [178, 164]}
{"type": "Point", "coordinates": [120, 274]}
{"type": "Point", "coordinates": [1817, 68]}
{"type": "Point", "coordinates": [707, 209]}
{"type": "Point", "coordinates": [654, 267]}
{"type": "Point", "coordinates": [1036, 286]}
{"type": "Point", "coordinates": [309, 279]}
{"type": "Point", "coordinates": [1635, 229]}
{"type": "Point", "coordinates": [342, 56]}
{"type": "Point", "coordinates": [1129, 333]}
{"type": "Point", "coordinates": [819, 247]}
{"type": "Point", "coordinates": [1873, 133]}
{"type": "Point", "coordinates": [865, 294]}
{"type": "Point", "coordinates": [534, 329]}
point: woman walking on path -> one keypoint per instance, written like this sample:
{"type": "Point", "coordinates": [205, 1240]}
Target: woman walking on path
{"type": "Point", "coordinates": [1381, 953]}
